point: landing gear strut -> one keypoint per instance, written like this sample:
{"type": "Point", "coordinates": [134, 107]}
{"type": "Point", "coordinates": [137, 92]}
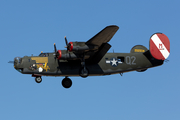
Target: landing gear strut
{"type": "Point", "coordinates": [38, 79]}
{"type": "Point", "coordinates": [66, 82]}
{"type": "Point", "coordinates": [83, 72]}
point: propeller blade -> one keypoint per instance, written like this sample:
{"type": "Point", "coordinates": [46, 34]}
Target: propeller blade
{"type": "Point", "coordinates": [67, 44]}
{"type": "Point", "coordinates": [55, 48]}
{"type": "Point", "coordinates": [66, 41]}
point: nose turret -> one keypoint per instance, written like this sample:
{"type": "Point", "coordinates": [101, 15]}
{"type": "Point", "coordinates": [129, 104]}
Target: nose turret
{"type": "Point", "coordinates": [17, 63]}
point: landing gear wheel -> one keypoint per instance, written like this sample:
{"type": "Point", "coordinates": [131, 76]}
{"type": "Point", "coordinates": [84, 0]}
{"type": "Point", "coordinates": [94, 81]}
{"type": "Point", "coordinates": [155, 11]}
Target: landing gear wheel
{"type": "Point", "coordinates": [66, 83]}
{"type": "Point", "coordinates": [38, 79]}
{"type": "Point", "coordinates": [83, 72]}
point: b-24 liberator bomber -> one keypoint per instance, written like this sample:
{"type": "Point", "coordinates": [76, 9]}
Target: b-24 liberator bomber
{"type": "Point", "coordinates": [91, 58]}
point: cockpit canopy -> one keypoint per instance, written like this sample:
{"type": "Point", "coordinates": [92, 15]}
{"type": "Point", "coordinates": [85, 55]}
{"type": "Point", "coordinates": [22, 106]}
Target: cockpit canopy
{"type": "Point", "coordinates": [43, 54]}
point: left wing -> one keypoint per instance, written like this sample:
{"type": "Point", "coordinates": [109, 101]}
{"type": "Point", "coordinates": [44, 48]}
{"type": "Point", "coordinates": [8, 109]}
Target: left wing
{"type": "Point", "coordinates": [103, 36]}
{"type": "Point", "coordinates": [101, 40]}
{"type": "Point", "coordinates": [93, 50]}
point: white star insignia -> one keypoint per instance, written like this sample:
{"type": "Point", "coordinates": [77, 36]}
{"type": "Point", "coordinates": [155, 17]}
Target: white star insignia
{"type": "Point", "coordinates": [114, 62]}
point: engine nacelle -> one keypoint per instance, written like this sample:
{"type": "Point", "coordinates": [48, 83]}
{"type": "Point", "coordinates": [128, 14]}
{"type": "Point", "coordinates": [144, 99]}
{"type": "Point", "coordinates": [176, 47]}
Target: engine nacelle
{"type": "Point", "coordinates": [79, 46]}
{"type": "Point", "coordinates": [64, 55]}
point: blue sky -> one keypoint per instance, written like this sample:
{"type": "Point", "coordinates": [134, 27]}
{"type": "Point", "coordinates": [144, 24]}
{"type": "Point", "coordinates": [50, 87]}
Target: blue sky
{"type": "Point", "coordinates": [29, 27]}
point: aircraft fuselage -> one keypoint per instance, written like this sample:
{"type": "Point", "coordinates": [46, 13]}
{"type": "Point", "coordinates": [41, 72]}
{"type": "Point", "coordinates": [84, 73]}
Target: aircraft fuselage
{"type": "Point", "coordinates": [111, 63]}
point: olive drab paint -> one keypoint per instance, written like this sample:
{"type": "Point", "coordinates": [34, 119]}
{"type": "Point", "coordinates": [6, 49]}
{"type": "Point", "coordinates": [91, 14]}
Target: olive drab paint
{"type": "Point", "coordinates": [91, 58]}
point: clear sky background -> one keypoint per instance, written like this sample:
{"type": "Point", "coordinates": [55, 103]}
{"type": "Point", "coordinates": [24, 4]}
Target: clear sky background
{"type": "Point", "coordinates": [29, 27]}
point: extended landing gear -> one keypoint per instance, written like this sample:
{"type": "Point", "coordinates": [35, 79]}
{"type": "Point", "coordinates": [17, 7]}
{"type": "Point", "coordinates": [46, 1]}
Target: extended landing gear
{"type": "Point", "coordinates": [38, 79]}
{"type": "Point", "coordinates": [66, 82]}
{"type": "Point", "coordinates": [83, 72]}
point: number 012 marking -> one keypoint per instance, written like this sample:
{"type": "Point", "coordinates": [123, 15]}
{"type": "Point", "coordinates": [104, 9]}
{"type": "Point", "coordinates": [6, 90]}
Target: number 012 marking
{"type": "Point", "coordinates": [130, 60]}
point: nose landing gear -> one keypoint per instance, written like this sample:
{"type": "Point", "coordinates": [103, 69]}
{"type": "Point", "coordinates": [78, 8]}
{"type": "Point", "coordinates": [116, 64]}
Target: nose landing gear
{"type": "Point", "coordinates": [38, 79]}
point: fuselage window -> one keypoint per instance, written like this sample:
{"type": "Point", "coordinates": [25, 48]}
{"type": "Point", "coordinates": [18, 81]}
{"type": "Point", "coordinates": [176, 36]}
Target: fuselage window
{"type": "Point", "coordinates": [44, 54]}
{"type": "Point", "coordinates": [120, 59]}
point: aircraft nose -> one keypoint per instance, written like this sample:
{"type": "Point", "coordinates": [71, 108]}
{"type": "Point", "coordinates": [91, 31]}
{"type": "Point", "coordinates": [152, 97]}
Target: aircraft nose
{"type": "Point", "coordinates": [17, 62]}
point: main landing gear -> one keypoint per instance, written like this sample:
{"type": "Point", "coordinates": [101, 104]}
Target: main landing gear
{"type": "Point", "coordinates": [83, 72]}
{"type": "Point", "coordinates": [66, 82]}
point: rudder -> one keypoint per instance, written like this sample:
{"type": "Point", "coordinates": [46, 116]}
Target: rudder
{"type": "Point", "coordinates": [159, 46]}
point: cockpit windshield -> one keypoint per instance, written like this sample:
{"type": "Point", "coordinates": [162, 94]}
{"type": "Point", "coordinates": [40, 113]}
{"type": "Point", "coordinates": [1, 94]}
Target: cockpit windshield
{"type": "Point", "coordinates": [44, 55]}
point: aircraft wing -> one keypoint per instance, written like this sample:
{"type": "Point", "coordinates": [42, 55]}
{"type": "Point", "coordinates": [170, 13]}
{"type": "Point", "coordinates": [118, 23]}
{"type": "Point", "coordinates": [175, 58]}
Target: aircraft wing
{"type": "Point", "coordinates": [93, 50]}
{"type": "Point", "coordinates": [103, 36]}
{"type": "Point", "coordinates": [100, 40]}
